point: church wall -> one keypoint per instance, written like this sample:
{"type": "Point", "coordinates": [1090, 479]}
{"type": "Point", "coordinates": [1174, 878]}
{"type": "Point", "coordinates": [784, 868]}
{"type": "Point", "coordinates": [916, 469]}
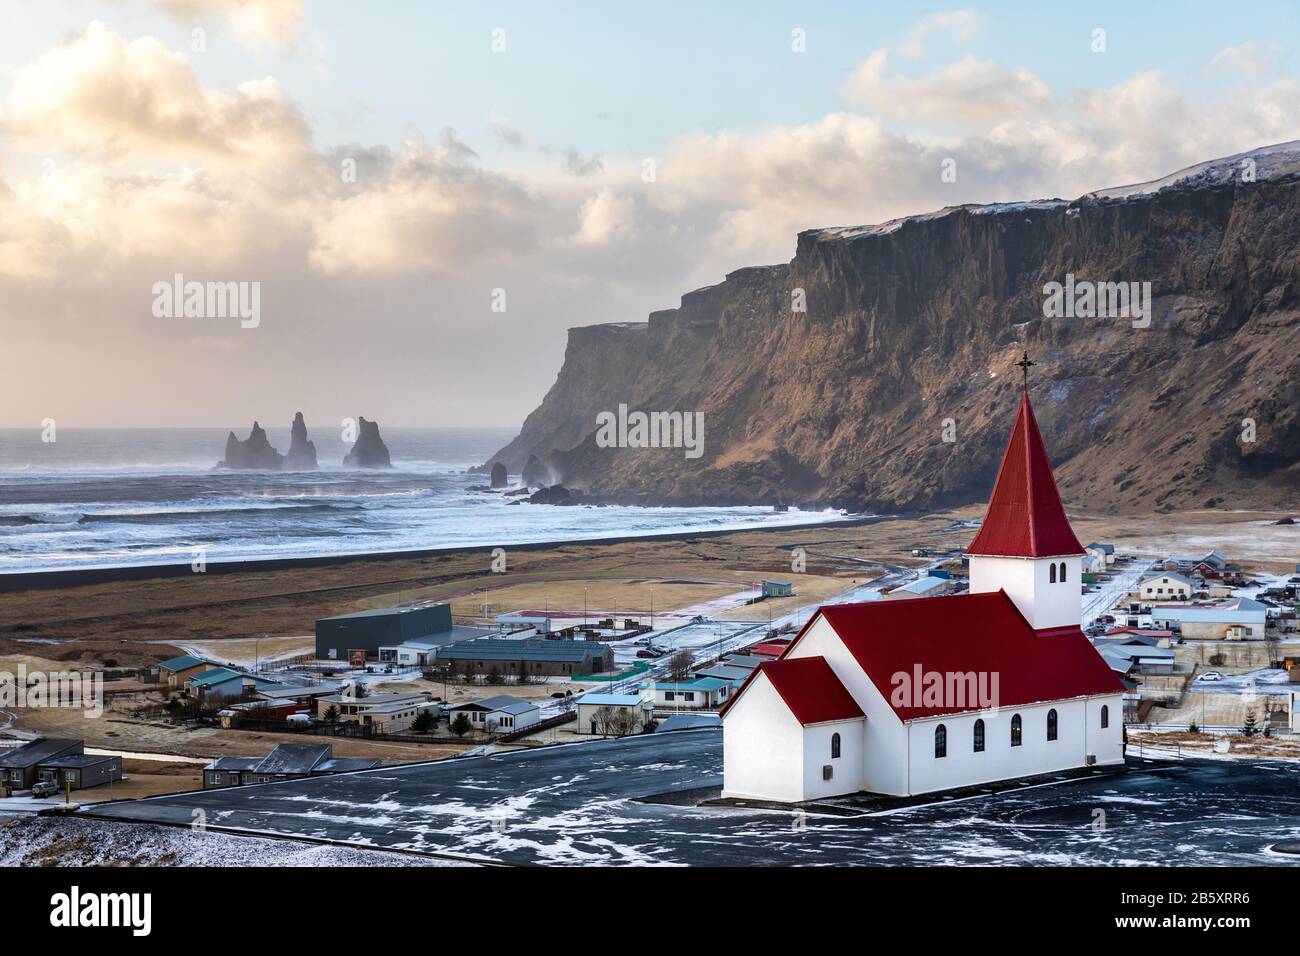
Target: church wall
{"type": "Point", "coordinates": [1107, 744]}
{"type": "Point", "coordinates": [884, 760]}
{"type": "Point", "coordinates": [1078, 735]}
{"type": "Point", "coordinates": [817, 754]}
{"type": "Point", "coordinates": [1028, 583]}
{"type": "Point", "coordinates": [762, 747]}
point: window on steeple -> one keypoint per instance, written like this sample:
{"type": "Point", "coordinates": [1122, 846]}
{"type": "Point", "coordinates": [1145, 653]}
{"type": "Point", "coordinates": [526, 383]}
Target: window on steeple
{"type": "Point", "coordinates": [1062, 572]}
{"type": "Point", "coordinates": [1051, 573]}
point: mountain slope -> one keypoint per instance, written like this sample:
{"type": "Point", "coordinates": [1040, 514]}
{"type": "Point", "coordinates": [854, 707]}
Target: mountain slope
{"type": "Point", "coordinates": [910, 333]}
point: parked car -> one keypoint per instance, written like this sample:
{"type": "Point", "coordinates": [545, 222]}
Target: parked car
{"type": "Point", "coordinates": [44, 788]}
{"type": "Point", "coordinates": [646, 652]}
{"type": "Point", "coordinates": [1211, 676]}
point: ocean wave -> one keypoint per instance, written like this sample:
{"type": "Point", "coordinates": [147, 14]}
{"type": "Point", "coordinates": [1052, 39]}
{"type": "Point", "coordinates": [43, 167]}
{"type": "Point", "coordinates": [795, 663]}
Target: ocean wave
{"type": "Point", "coordinates": [160, 516]}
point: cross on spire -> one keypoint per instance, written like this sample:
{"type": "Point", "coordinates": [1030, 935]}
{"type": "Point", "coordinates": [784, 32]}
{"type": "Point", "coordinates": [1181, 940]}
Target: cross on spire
{"type": "Point", "coordinates": [1025, 364]}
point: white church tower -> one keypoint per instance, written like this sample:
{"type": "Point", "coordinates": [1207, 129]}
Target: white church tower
{"type": "Point", "coordinates": [1025, 545]}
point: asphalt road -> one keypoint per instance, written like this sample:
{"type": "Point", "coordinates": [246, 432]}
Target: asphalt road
{"type": "Point", "coordinates": [582, 804]}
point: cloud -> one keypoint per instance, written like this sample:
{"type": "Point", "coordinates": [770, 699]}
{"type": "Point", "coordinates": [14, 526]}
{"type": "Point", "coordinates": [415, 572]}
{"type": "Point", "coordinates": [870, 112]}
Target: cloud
{"type": "Point", "coordinates": [605, 217]}
{"type": "Point", "coordinates": [960, 25]}
{"type": "Point", "coordinates": [967, 93]}
{"type": "Point", "coordinates": [255, 21]}
{"type": "Point", "coordinates": [102, 94]}
{"type": "Point", "coordinates": [430, 208]}
{"type": "Point", "coordinates": [1252, 59]}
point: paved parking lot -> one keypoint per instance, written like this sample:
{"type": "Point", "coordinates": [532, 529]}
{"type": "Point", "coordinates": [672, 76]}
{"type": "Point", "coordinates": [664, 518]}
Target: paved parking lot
{"type": "Point", "coordinates": [585, 803]}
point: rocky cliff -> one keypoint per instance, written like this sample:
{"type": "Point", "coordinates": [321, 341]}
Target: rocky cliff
{"type": "Point", "coordinates": [875, 370]}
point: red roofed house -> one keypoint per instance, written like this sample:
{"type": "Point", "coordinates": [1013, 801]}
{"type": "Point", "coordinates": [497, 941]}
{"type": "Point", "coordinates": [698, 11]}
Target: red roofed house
{"type": "Point", "coordinates": [906, 697]}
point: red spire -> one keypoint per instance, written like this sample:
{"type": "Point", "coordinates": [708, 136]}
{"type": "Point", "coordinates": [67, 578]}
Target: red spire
{"type": "Point", "coordinates": [1025, 517]}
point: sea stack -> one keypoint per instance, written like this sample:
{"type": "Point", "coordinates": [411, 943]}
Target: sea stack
{"type": "Point", "coordinates": [302, 453]}
{"type": "Point", "coordinates": [499, 477]}
{"type": "Point", "coordinates": [255, 452]}
{"type": "Point", "coordinates": [369, 451]}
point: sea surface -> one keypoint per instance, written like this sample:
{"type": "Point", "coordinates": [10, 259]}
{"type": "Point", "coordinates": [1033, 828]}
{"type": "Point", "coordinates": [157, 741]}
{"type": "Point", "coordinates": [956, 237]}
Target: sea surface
{"type": "Point", "coordinates": [103, 497]}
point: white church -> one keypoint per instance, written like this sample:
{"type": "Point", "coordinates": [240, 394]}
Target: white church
{"type": "Point", "coordinates": [908, 697]}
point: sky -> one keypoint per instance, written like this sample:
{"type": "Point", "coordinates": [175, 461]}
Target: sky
{"type": "Point", "coordinates": [426, 195]}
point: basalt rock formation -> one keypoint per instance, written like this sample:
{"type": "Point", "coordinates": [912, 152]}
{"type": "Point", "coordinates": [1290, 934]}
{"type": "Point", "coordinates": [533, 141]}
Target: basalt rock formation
{"type": "Point", "coordinates": [499, 477]}
{"type": "Point", "coordinates": [876, 370]}
{"type": "Point", "coordinates": [302, 453]}
{"type": "Point", "coordinates": [254, 452]}
{"type": "Point", "coordinates": [369, 450]}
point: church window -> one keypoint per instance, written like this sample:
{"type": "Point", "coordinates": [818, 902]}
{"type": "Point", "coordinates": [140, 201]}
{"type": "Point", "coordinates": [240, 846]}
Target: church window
{"type": "Point", "coordinates": [1105, 716]}
{"type": "Point", "coordinates": [1015, 731]}
{"type": "Point", "coordinates": [1051, 724]}
{"type": "Point", "coordinates": [979, 736]}
{"type": "Point", "coordinates": [1062, 572]}
{"type": "Point", "coordinates": [1051, 573]}
{"type": "Point", "coordinates": [835, 746]}
{"type": "Point", "coordinates": [941, 741]}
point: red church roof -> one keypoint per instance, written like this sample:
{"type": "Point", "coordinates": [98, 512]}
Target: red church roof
{"type": "Point", "coordinates": [1025, 517]}
{"type": "Point", "coordinates": [809, 688]}
{"type": "Point", "coordinates": [964, 633]}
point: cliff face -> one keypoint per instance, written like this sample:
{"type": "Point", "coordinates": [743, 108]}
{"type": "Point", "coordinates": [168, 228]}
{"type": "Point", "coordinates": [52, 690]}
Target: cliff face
{"type": "Point", "coordinates": [909, 337]}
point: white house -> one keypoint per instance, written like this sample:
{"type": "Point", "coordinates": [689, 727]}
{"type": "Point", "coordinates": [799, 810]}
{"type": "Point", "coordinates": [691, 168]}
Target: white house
{"type": "Point", "coordinates": [699, 693]}
{"type": "Point", "coordinates": [612, 713]}
{"type": "Point", "coordinates": [502, 714]}
{"type": "Point", "coordinates": [1169, 586]}
{"type": "Point", "coordinates": [927, 586]}
{"type": "Point", "coordinates": [907, 697]}
{"type": "Point", "coordinates": [1234, 620]}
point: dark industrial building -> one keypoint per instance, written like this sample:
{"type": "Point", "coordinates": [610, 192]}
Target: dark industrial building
{"type": "Point", "coordinates": [540, 657]}
{"type": "Point", "coordinates": [383, 627]}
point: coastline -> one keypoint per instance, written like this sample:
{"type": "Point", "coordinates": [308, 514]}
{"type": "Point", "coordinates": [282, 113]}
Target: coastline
{"type": "Point", "coordinates": [54, 579]}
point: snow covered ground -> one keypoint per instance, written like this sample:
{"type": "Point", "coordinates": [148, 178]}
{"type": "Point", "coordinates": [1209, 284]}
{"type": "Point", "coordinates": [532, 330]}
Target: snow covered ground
{"type": "Point", "coordinates": [65, 841]}
{"type": "Point", "coordinates": [587, 803]}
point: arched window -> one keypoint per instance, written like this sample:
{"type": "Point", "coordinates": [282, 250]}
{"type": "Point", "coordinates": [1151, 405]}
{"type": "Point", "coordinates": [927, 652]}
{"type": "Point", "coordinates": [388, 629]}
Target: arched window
{"type": "Point", "coordinates": [979, 736]}
{"type": "Point", "coordinates": [1051, 724]}
{"type": "Point", "coordinates": [941, 741]}
{"type": "Point", "coordinates": [835, 746]}
{"type": "Point", "coordinates": [1062, 572]}
{"type": "Point", "coordinates": [1015, 731]}
{"type": "Point", "coordinates": [1105, 716]}
{"type": "Point", "coordinates": [1051, 573]}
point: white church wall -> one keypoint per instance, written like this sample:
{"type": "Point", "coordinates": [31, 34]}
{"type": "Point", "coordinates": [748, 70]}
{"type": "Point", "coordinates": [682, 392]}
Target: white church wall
{"type": "Point", "coordinates": [1078, 734]}
{"type": "Point", "coordinates": [762, 747]}
{"type": "Point", "coordinates": [1028, 583]}
{"type": "Point", "coordinates": [1107, 743]}
{"type": "Point", "coordinates": [884, 761]}
{"type": "Point", "coordinates": [846, 769]}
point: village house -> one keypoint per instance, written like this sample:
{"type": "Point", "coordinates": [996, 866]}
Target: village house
{"type": "Point", "coordinates": [383, 713]}
{"type": "Point", "coordinates": [610, 713]}
{"type": "Point", "coordinates": [700, 693]}
{"type": "Point", "coordinates": [917, 696]}
{"type": "Point", "coordinates": [220, 684]}
{"type": "Point", "coordinates": [1231, 620]}
{"type": "Point", "coordinates": [80, 771]}
{"type": "Point", "coordinates": [501, 714]}
{"type": "Point", "coordinates": [1169, 586]}
{"type": "Point", "coordinates": [175, 671]}
{"type": "Point", "coordinates": [287, 761]}
{"type": "Point", "coordinates": [18, 766]}
{"type": "Point", "coordinates": [928, 586]}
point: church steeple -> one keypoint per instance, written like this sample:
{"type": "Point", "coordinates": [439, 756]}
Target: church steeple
{"type": "Point", "coordinates": [1025, 517]}
{"type": "Point", "coordinates": [1025, 545]}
